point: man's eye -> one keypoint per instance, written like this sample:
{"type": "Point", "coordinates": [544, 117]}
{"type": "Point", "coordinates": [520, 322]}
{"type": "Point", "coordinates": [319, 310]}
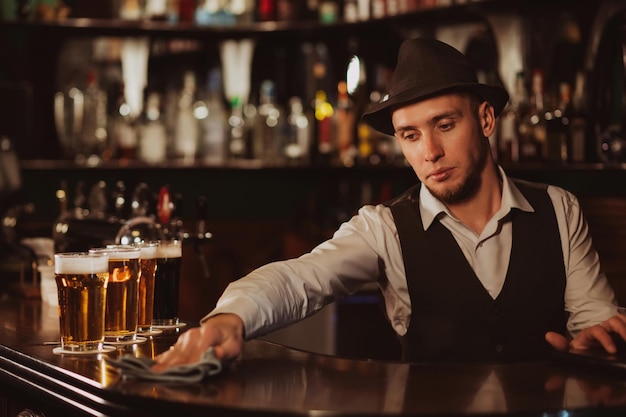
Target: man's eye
{"type": "Point", "coordinates": [410, 136]}
{"type": "Point", "coordinates": [446, 126]}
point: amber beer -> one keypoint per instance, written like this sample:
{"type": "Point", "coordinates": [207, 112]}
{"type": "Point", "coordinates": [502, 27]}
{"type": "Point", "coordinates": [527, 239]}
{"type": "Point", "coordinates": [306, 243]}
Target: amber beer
{"type": "Point", "coordinates": [166, 283]}
{"type": "Point", "coordinates": [82, 286]}
{"type": "Point", "coordinates": [146, 285]}
{"type": "Point", "coordinates": [122, 299]}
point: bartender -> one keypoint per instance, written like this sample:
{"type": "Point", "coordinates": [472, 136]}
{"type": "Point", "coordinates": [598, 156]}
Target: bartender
{"type": "Point", "coordinates": [473, 264]}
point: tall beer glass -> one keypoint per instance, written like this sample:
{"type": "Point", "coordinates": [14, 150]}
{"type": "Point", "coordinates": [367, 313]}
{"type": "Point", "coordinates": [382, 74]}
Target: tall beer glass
{"type": "Point", "coordinates": [148, 256]}
{"type": "Point", "coordinates": [81, 280]}
{"type": "Point", "coordinates": [166, 283]}
{"type": "Point", "coordinates": [122, 299]}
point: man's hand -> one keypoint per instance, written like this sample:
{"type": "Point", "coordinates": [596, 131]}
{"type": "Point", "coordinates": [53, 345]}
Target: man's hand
{"type": "Point", "coordinates": [224, 332]}
{"type": "Point", "coordinates": [592, 337]}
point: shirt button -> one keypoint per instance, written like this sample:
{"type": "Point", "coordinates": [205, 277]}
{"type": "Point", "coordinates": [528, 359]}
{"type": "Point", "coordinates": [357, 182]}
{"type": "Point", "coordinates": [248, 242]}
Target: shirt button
{"type": "Point", "coordinates": [499, 348]}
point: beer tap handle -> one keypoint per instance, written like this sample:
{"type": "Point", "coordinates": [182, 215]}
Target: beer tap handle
{"type": "Point", "coordinates": [164, 205]}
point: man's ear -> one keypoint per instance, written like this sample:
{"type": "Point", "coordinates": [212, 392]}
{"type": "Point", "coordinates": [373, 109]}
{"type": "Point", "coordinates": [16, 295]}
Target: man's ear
{"type": "Point", "coordinates": [487, 118]}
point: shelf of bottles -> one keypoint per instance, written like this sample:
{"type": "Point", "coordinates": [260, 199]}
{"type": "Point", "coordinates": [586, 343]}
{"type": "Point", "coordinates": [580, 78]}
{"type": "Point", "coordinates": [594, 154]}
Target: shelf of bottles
{"type": "Point", "coordinates": [213, 115]}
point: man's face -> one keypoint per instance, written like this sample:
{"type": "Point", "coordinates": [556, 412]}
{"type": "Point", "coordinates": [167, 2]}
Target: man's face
{"type": "Point", "coordinates": [444, 142]}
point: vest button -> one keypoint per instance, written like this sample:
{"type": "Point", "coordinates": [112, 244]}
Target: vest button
{"type": "Point", "coordinates": [495, 310]}
{"type": "Point", "coordinates": [499, 348]}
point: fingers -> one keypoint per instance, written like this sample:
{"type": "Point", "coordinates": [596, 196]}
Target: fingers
{"type": "Point", "coordinates": [223, 332]}
{"type": "Point", "coordinates": [616, 324]}
{"type": "Point", "coordinates": [594, 336]}
{"type": "Point", "coordinates": [557, 341]}
{"type": "Point", "coordinates": [182, 352]}
{"type": "Point", "coordinates": [602, 335]}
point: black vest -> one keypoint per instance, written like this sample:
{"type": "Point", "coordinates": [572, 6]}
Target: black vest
{"type": "Point", "coordinates": [453, 317]}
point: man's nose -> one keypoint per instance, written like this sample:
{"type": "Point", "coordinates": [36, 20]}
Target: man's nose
{"type": "Point", "coordinates": [432, 147]}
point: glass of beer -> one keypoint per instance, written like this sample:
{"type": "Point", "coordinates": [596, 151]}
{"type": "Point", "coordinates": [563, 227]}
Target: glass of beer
{"type": "Point", "coordinates": [122, 298]}
{"type": "Point", "coordinates": [81, 280]}
{"type": "Point", "coordinates": [166, 283]}
{"type": "Point", "coordinates": [148, 254]}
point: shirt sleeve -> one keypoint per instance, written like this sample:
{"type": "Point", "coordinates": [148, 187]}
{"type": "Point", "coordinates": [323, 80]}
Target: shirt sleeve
{"type": "Point", "coordinates": [589, 297]}
{"type": "Point", "coordinates": [280, 293]}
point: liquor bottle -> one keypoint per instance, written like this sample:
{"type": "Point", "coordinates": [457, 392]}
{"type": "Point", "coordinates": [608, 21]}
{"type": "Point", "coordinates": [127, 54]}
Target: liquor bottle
{"type": "Point", "coordinates": [94, 130]}
{"type": "Point", "coordinates": [318, 88]}
{"type": "Point", "coordinates": [268, 132]}
{"type": "Point", "coordinates": [186, 130]}
{"type": "Point", "coordinates": [532, 134]}
{"type": "Point", "coordinates": [350, 11]}
{"type": "Point", "coordinates": [213, 122]}
{"type": "Point", "coordinates": [266, 10]}
{"type": "Point", "coordinates": [537, 112]}
{"type": "Point", "coordinates": [578, 123]}
{"type": "Point", "coordinates": [324, 112]}
{"type": "Point", "coordinates": [557, 127]}
{"type": "Point", "coordinates": [298, 140]}
{"type": "Point", "coordinates": [509, 123]}
{"type": "Point", "coordinates": [153, 134]}
{"type": "Point", "coordinates": [237, 132]}
{"type": "Point", "coordinates": [124, 129]}
{"type": "Point", "coordinates": [345, 125]}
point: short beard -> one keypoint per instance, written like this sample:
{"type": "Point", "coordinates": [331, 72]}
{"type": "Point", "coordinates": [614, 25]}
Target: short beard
{"type": "Point", "coordinates": [468, 188]}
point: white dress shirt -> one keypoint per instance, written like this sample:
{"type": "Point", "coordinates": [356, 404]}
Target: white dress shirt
{"type": "Point", "coordinates": [366, 250]}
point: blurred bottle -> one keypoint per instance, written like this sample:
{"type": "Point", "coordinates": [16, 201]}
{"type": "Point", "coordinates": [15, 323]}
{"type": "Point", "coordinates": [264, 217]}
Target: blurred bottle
{"type": "Point", "coordinates": [186, 130]}
{"type": "Point", "coordinates": [323, 127]}
{"type": "Point", "coordinates": [10, 176]}
{"type": "Point", "coordinates": [156, 10]}
{"type": "Point", "coordinates": [510, 121]}
{"type": "Point", "coordinates": [345, 125]}
{"type": "Point", "coordinates": [243, 11]}
{"type": "Point", "coordinates": [131, 10]}
{"type": "Point", "coordinates": [350, 11]}
{"type": "Point", "coordinates": [298, 139]}
{"type": "Point", "coordinates": [557, 126]}
{"type": "Point", "coordinates": [268, 133]}
{"type": "Point", "coordinates": [289, 10]}
{"type": "Point", "coordinates": [532, 128]}
{"type": "Point", "coordinates": [123, 127]}
{"type": "Point", "coordinates": [319, 84]}
{"type": "Point", "coordinates": [213, 121]}
{"type": "Point", "coordinates": [153, 135]}
{"type": "Point", "coordinates": [68, 119]}
{"type": "Point", "coordinates": [266, 10]}
{"type": "Point", "coordinates": [237, 132]}
{"type": "Point", "coordinates": [328, 11]}
{"type": "Point", "coordinates": [120, 208]}
{"type": "Point", "coordinates": [94, 131]}
{"type": "Point", "coordinates": [186, 10]}
{"type": "Point", "coordinates": [214, 12]}
{"type": "Point", "coordinates": [578, 149]}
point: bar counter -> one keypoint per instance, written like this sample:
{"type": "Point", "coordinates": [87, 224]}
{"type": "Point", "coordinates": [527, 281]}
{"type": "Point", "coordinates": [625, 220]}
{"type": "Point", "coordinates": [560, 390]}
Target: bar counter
{"type": "Point", "coordinates": [274, 380]}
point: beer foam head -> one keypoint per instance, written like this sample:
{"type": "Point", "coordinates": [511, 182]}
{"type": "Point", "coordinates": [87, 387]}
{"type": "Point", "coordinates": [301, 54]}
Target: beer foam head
{"type": "Point", "coordinates": [80, 263]}
{"type": "Point", "coordinates": [169, 250]}
{"type": "Point", "coordinates": [148, 251]}
{"type": "Point", "coordinates": [119, 251]}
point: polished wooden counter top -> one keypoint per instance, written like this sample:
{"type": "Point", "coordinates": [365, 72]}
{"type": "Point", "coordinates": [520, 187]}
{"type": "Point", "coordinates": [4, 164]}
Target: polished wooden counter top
{"type": "Point", "coordinates": [270, 379]}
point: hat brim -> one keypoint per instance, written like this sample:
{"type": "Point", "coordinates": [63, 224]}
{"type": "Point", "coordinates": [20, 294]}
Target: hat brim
{"type": "Point", "coordinates": [378, 115]}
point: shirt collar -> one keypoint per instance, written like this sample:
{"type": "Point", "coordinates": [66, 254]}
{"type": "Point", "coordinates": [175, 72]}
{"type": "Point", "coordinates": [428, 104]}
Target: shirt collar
{"type": "Point", "coordinates": [512, 198]}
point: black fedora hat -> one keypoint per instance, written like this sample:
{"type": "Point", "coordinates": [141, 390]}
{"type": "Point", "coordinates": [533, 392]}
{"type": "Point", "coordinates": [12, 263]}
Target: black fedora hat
{"type": "Point", "coordinates": [428, 68]}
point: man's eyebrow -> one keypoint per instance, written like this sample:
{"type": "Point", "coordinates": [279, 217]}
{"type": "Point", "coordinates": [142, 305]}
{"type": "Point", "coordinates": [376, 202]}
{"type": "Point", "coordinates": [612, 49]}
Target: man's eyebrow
{"type": "Point", "coordinates": [445, 115]}
{"type": "Point", "coordinates": [433, 120]}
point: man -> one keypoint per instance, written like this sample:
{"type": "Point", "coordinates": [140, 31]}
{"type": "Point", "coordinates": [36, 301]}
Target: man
{"type": "Point", "coordinates": [473, 265]}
